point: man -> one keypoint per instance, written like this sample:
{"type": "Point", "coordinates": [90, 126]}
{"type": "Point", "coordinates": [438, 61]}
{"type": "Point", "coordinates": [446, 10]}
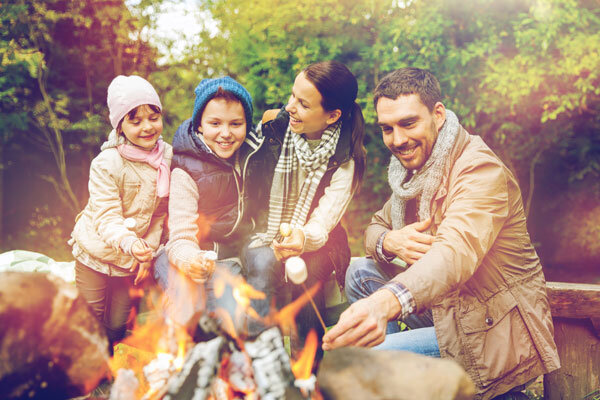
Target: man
{"type": "Point", "coordinates": [456, 217]}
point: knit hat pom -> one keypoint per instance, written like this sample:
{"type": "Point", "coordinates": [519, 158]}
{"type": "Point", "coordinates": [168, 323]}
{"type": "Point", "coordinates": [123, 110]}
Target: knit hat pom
{"type": "Point", "coordinates": [207, 88]}
{"type": "Point", "coordinates": [126, 93]}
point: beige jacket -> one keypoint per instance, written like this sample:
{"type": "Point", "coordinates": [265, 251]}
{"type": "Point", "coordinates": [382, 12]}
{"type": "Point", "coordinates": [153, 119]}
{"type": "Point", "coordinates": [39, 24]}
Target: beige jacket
{"type": "Point", "coordinates": [119, 189]}
{"type": "Point", "coordinates": [482, 278]}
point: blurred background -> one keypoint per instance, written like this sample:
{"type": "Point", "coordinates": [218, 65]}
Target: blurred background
{"type": "Point", "coordinates": [522, 74]}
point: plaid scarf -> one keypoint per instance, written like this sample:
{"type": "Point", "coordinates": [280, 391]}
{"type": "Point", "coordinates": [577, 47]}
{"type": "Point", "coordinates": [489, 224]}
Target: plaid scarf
{"type": "Point", "coordinates": [425, 181]}
{"type": "Point", "coordinates": [290, 199]}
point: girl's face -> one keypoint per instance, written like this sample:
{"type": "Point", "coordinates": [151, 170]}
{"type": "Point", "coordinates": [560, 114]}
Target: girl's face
{"type": "Point", "coordinates": [144, 128]}
{"type": "Point", "coordinates": [307, 115]}
{"type": "Point", "coordinates": [223, 126]}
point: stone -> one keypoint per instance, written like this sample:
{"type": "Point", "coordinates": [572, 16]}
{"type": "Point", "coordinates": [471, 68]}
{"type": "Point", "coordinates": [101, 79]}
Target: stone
{"type": "Point", "coordinates": [360, 373]}
{"type": "Point", "coordinates": [51, 344]}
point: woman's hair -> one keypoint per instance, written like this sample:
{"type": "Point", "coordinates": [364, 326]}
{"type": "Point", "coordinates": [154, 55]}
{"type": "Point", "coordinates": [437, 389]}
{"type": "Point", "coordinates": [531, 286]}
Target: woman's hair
{"type": "Point", "coordinates": [131, 114]}
{"type": "Point", "coordinates": [338, 87]}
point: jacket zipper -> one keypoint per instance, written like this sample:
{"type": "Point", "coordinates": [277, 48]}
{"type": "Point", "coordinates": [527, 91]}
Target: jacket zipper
{"type": "Point", "coordinates": [241, 191]}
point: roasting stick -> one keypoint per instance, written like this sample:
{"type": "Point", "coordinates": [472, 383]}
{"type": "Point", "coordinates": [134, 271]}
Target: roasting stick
{"type": "Point", "coordinates": [295, 269]}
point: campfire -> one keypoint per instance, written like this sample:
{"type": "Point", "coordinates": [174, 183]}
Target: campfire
{"type": "Point", "coordinates": [161, 360]}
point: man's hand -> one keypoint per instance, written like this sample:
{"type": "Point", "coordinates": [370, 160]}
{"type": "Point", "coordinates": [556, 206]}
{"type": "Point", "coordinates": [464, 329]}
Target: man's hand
{"type": "Point", "coordinates": [200, 269]}
{"type": "Point", "coordinates": [364, 323]}
{"type": "Point", "coordinates": [409, 243]}
{"type": "Point", "coordinates": [292, 245]}
{"type": "Point", "coordinates": [141, 251]}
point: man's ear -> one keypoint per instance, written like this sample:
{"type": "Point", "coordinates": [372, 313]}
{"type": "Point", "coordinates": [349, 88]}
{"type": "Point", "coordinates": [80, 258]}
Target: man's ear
{"type": "Point", "coordinates": [439, 115]}
{"type": "Point", "coordinates": [334, 116]}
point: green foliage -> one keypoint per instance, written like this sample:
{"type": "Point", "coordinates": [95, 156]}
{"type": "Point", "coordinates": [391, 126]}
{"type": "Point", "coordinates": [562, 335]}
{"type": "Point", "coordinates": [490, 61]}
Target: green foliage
{"type": "Point", "coordinates": [523, 74]}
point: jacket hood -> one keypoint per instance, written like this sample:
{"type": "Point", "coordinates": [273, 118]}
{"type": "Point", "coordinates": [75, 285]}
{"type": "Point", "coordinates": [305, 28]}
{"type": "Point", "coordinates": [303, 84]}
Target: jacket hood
{"type": "Point", "coordinates": [113, 140]}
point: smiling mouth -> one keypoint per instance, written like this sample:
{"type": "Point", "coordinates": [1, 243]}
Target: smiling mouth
{"type": "Point", "coordinates": [294, 120]}
{"type": "Point", "coordinates": [406, 151]}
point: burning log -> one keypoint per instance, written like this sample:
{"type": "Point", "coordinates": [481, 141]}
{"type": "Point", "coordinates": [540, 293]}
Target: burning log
{"type": "Point", "coordinates": [271, 364]}
{"type": "Point", "coordinates": [359, 373]}
{"type": "Point", "coordinates": [199, 369]}
{"type": "Point", "coordinates": [51, 345]}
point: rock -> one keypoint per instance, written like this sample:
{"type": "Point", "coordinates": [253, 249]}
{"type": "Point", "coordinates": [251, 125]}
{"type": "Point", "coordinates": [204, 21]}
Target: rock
{"type": "Point", "coordinates": [359, 373]}
{"type": "Point", "coordinates": [51, 345]}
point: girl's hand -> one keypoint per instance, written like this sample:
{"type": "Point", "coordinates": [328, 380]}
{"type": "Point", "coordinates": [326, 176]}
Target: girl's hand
{"type": "Point", "coordinates": [201, 269]}
{"type": "Point", "coordinates": [143, 272]}
{"type": "Point", "coordinates": [292, 245]}
{"type": "Point", "coordinates": [141, 251]}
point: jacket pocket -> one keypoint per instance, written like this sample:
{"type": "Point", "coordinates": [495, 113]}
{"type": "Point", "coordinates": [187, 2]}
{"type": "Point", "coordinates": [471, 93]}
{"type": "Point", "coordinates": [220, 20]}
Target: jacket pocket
{"type": "Point", "coordinates": [130, 192]}
{"type": "Point", "coordinates": [496, 340]}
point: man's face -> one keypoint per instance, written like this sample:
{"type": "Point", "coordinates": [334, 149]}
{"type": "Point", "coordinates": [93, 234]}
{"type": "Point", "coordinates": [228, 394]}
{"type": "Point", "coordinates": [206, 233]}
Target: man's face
{"type": "Point", "coordinates": [409, 128]}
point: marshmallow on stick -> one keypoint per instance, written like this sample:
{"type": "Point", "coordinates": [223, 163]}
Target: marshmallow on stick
{"type": "Point", "coordinates": [295, 268]}
{"type": "Point", "coordinates": [285, 229]}
{"type": "Point", "coordinates": [210, 255]}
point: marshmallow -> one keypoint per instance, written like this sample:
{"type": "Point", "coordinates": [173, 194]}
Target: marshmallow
{"type": "Point", "coordinates": [129, 223]}
{"type": "Point", "coordinates": [295, 269]}
{"type": "Point", "coordinates": [285, 229]}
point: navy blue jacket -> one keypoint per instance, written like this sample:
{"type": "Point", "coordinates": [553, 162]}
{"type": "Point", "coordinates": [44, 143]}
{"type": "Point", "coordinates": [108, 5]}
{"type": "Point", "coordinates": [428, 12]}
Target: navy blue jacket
{"type": "Point", "coordinates": [224, 191]}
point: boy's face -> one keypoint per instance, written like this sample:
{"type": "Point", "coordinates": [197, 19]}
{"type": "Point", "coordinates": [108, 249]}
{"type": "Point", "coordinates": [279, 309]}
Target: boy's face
{"type": "Point", "coordinates": [144, 129]}
{"type": "Point", "coordinates": [223, 125]}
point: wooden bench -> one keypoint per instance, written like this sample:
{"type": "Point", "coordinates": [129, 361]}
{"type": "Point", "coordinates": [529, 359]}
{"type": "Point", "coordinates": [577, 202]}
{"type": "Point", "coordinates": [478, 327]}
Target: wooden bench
{"type": "Point", "coordinates": [575, 311]}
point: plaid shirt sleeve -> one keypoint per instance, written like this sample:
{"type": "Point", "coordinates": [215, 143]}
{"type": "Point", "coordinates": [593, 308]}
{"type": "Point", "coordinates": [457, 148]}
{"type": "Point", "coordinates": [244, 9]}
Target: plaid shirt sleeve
{"type": "Point", "coordinates": [405, 298]}
{"type": "Point", "coordinates": [380, 256]}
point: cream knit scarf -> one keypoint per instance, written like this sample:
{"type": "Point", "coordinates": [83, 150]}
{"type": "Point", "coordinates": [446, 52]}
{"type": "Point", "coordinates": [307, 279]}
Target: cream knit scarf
{"type": "Point", "coordinates": [290, 199]}
{"type": "Point", "coordinates": [425, 181]}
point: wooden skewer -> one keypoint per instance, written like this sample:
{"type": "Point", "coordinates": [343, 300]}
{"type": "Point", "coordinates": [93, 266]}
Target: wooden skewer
{"type": "Point", "coordinates": [314, 306]}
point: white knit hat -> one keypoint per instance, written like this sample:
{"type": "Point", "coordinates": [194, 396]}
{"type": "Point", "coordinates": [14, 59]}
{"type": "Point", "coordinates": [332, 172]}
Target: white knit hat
{"type": "Point", "coordinates": [126, 93]}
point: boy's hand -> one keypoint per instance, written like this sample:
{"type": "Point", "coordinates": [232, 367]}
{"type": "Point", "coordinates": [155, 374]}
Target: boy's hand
{"type": "Point", "coordinates": [143, 272]}
{"type": "Point", "coordinates": [201, 269]}
{"type": "Point", "coordinates": [292, 245]}
{"type": "Point", "coordinates": [141, 251]}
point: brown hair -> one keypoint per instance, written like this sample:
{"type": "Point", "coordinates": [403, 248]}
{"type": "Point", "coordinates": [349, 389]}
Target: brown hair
{"type": "Point", "coordinates": [338, 88]}
{"type": "Point", "coordinates": [406, 81]}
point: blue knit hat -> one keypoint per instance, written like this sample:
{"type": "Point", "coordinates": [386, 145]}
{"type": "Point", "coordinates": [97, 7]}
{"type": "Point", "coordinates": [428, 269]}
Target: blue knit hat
{"type": "Point", "coordinates": [207, 88]}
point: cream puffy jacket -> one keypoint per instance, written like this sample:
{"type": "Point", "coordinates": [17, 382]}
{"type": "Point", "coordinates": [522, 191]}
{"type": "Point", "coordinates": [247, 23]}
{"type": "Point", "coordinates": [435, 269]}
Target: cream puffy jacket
{"type": "Point", "coordinates": [119, 189]}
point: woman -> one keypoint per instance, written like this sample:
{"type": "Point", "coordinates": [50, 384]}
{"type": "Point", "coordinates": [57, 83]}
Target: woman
{"type": "Point", "coordinates": [311, 164]}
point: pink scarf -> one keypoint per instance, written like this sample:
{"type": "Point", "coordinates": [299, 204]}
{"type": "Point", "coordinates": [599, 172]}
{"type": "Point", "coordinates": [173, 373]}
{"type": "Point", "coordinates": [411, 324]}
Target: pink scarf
{"type": "Point", "coordinates": [154, 158]}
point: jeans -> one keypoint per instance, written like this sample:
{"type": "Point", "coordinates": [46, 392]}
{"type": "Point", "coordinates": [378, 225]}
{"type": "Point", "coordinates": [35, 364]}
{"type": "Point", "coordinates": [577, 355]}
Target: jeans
{"type": "Point", "coordinates": [364, 277]}
{"type": "Point", "coordinates": [107, 296]}
{"type": "Point", "coordinates": [266, 274]}
{"type": "Point", "coordinates": [185, 298]}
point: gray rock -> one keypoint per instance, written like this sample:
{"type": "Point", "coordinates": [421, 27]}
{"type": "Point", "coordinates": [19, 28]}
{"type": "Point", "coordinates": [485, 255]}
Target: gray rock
{"type": "Point", "coordinates": [359, 373]}
{"type": "Point", "coordinates": [51, 345]}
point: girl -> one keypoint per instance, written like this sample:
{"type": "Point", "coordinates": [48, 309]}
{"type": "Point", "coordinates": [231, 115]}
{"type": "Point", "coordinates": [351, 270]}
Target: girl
{"type": "Point", "coordinates": [314, 161]}
{"type": "Point", "coordinates": [118, 231]}
{"type": "Point", "coordinates": [206, 210]}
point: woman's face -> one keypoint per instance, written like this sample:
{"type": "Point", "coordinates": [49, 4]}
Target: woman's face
{"type": "Point", "coordinates": [306, 112]}
{"type": "Point", "coordinates": [223, 126]}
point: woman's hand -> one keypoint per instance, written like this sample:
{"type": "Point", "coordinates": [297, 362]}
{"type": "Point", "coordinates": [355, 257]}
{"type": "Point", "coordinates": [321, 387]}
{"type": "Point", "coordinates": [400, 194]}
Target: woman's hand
{"type": "Point", "coordinates": [200, 269]}
{"type": "Point", "coordinates": [144, 270]}
{"type": "Point", "coordinates": [292, 245]}
{"type": "Point", "coordinates": [141, 251]}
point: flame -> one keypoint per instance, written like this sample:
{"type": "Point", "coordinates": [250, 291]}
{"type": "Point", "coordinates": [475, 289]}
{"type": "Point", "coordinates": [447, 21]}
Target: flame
{"type": "Point", "coordinates": [285, 317]}
{"type": "Point", "coordinates": [302, 368]}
